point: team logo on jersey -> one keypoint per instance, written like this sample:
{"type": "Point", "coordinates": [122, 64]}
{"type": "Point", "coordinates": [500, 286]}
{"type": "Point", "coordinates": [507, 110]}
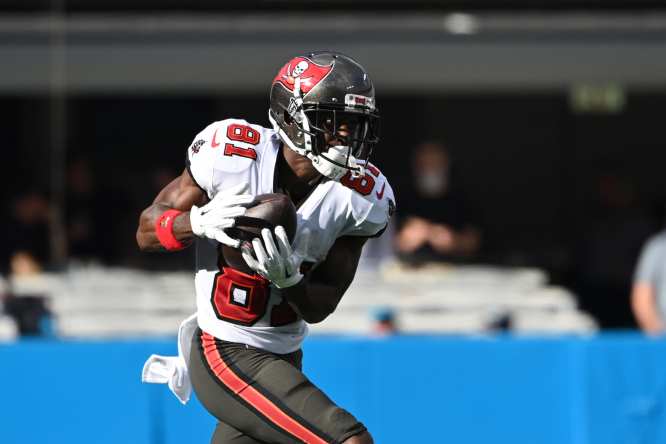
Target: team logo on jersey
{"type": "Point", "coordinates": [391, 207]}
{"type": "Point", "coordinates": [196, 146]}
{"type": "Point", "coordinates": [304, 69]}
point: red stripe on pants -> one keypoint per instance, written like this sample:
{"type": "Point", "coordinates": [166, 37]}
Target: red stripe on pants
{"type": "Point", "coordinates": [250, 395]}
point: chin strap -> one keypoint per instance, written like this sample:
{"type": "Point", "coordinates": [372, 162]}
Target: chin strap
{"type": "Point", "coordinates": [336, 162]}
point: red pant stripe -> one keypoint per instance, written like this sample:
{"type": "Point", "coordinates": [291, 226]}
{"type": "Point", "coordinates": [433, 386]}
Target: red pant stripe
{"type": "Point", "coordinates": [250, 395]}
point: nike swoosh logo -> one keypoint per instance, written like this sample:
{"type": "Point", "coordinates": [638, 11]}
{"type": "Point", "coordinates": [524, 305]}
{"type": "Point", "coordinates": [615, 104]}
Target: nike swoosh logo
{"type": "Point", "coordinates": [214, 142]}
{"type": "Point", "coordinates": [380, 194]}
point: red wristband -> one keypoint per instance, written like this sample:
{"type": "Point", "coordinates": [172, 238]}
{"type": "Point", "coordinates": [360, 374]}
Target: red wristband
{"type": "Point", "coordinates": [164, 230]}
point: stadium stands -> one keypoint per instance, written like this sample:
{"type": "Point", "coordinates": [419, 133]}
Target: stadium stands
{"type": "Point", "coordinates": [107, 302]}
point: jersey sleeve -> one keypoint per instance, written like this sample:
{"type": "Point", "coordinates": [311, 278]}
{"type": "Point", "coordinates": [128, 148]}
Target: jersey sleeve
{"type": "Point", "coordinates": [217, 161]}
{"type": "Point", "coordinates": [369, 214]}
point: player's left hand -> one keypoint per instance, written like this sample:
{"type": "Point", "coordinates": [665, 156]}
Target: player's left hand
{"type": "Point", "coordinates": [220, 213]}
{"type": "Point", "coordinates": [279, 264]}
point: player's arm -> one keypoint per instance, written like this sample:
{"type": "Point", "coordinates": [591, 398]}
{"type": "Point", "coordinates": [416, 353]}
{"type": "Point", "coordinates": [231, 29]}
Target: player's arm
{"type": "Point", "coordinates": [179, 195]}
{"type": "Point", "coordinates": [177, 215]}
{"type": "Point", "coordinates": [319, 293]}
{"type": "Point", "coordinates": [644, 306]}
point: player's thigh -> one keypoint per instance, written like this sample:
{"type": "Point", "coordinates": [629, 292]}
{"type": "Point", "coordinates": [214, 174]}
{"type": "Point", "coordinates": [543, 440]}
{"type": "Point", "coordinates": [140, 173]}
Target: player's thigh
{"type": "Point", "coordinates": [225, 434]}
{"type": "Point", "coordinates": [264, 396]}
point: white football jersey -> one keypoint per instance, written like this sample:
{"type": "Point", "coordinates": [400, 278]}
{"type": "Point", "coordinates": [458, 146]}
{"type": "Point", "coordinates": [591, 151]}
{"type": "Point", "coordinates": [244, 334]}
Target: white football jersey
{"type": "Point", "coordinates": [234, 151]}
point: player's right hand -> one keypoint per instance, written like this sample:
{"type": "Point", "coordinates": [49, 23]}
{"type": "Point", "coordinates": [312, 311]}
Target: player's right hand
{"type": "Point", "coordinates": [212, 219]}
{"type": "Point", "coordinates": [280, 264]}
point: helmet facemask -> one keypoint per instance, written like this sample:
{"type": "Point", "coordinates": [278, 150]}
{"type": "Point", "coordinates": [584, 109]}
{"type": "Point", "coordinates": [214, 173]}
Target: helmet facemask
{"type": "Point", "coordinates": [309, 129]}
{"type": "Point", "coordinates": [343, 139]}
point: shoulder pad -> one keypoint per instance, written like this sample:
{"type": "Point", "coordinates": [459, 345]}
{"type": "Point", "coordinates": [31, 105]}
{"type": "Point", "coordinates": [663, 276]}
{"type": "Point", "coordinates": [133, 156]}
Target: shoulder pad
{"type": "Point", "coordinates": [229, 147]}
{"type": "Point", "coordinates": [372, 202]}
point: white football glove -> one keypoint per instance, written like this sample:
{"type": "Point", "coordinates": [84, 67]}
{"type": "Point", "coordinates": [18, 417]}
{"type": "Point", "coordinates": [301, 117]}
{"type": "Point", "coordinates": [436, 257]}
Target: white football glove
{"type": "Point", "coordinates": [280, 265]}
{"type": "Point", "coordinates": [211, 219]}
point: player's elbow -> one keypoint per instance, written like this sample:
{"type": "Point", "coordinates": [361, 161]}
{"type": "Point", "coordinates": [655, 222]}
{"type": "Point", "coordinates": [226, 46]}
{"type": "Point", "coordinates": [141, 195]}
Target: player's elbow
{"type": "Point", "coordinates": [140, 241]}
{"type": "Point", "coordinates": [142, 237]}
{"type": "Point", "coordinates": [313, 302]}
{"type": "Point", "coordinates": [315, 317]}
{"type": "Point", "coordinates": [319, 313]}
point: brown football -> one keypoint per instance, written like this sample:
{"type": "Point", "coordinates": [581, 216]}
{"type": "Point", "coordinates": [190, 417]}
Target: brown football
{"type": "Point", "coordinates": [266, 211]}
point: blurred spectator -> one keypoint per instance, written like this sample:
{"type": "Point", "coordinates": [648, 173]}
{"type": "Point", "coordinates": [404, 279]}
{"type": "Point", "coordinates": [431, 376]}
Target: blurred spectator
{"type": "Point", "coordinates": [28, 253]}
{"type": "Point", "coordinates": [26, 243]}
{"type": "Point", "coordinates": [384, 322]}
{"type": "Point", "coordinates": [22, 263]}
{"type": "Point", "coordinates": [648, 295]}
{"type": "Point", "coordinates": [30, 313]}
{"type": "Point", "coordinates": [608, 251]}
{"type": "Point", "coordinates": [81, 212]}
{"type": "Point", "coordinates": [94, 216]}
{"type": "Point", "coordinates": [435, 221]}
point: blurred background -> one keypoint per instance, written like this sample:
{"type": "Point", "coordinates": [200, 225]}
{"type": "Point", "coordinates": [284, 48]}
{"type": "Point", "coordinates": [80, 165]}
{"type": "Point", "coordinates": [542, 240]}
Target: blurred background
{"type": "Point", "coordinates": [524, 140]}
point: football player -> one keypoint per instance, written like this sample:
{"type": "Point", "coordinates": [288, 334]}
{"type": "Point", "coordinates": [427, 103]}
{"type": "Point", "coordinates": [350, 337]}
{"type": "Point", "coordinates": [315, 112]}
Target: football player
{"type": "Point", "coordinates": [245, 358]}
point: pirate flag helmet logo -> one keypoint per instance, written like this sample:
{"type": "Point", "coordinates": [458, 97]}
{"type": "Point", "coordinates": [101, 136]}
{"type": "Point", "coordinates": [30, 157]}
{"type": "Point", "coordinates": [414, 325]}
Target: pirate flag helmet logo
{"type": "Point", "coordinates": [304, 69]}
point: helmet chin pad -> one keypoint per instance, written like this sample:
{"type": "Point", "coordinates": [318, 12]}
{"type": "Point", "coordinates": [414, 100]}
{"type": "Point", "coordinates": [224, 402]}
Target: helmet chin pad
{"type": "Point", "coordinates": [336, 162]}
